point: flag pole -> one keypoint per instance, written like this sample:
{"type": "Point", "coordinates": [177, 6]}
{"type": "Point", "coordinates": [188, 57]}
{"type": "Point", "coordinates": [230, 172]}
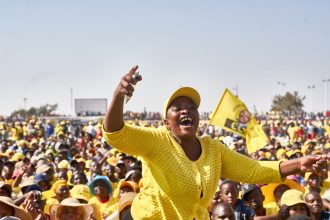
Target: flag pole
{"type": "Point", "coordinates": [207, 126]}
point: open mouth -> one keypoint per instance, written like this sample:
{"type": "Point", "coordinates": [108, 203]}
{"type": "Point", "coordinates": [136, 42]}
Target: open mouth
{"type": "Point", "coordinates": [254, 204]}
{"type": "Point", "coordinates": [186, 121]}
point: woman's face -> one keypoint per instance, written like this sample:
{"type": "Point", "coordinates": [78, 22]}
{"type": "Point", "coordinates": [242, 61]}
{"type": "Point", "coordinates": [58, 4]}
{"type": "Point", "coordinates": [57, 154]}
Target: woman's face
{"type": "Point", "coordinates": [125, 189]}
{"type": "Point", "coordinates": [182, 118]}
{"type": "Point", "coordinates": [121, 170]}
{"type": "Point", "coordinates": [8, 171]}
{"type": "Point", "coordinates": [229, 194]}
{"type": "Point", "coordinates": [313, 181]}
{"type": "Point", "coordinates": [100, 188]}
{"type": "Point", "coordinates": [81, 166]}
{"type": "Point", "coordinates": [314, 202]}
{"type": "Point", "coordinates": [62, 175]}
{"type": "Point", "coordinates": [298, 209]}
{"type": "Point", "coordinates": [44, 185]}
{"type": "Point", "coordinates": [6, 210]}
{"type": "Point", "coordinates": [57, 160]}
{"type": "Point", "coordinates": [110, 170]}
{"type": "Point", "coordinates": [62, 193]}
{"type": "Point", "coordinates": [71, 213]}
{"type": "Point", "coordinates": [79, 179]}
{"type": "Point", "coordinates": [94, 167]}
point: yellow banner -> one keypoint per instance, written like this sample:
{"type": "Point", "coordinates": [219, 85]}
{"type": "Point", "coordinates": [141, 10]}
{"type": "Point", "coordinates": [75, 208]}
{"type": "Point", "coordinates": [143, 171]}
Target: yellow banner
{"type": "Point", "coordinates": [232, 115]}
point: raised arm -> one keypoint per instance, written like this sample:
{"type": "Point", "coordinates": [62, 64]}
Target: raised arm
{"type": "Point", "coordinates": [304, 164]}
{"type": "Point", "coordinates": [114, 120]}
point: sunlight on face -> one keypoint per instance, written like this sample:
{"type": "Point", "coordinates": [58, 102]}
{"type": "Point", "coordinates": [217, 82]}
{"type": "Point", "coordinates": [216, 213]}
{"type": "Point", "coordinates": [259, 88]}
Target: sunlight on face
{"type": "Point", "coordinates": [72, 213]}
{"type": "Point", "coordinates": [298, 209]}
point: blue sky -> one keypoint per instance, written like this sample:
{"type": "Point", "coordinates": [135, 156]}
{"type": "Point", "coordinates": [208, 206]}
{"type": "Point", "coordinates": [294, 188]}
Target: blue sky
{"type": "Point", "coordinates": [48, 47]}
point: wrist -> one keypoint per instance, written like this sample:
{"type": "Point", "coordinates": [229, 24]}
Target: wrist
{"type": "Point", "coordinates": [290, 167]}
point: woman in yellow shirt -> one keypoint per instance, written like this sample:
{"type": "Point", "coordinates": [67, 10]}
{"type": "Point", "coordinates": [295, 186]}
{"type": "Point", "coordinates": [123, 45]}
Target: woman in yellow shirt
{"type": "Point", "coordinates": [101, 189]}
{"type": "Point", "coordinates": [181, 170]}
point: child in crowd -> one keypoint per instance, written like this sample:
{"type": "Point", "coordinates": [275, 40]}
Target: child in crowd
{"type": "Point", "coordinates": [293, 203]}
{"type": "Point", "coordinates": [229, 193]}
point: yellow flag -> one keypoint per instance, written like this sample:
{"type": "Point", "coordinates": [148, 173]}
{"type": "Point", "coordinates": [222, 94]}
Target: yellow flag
{"type": "Point", "coordinates": [232, 115]}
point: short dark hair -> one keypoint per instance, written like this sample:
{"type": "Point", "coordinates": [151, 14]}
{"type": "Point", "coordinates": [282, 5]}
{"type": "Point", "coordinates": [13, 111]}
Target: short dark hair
{"type": "Point", "coordinates": [228, 182]}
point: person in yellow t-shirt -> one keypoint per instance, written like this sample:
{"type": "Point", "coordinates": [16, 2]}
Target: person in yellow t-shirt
{"type": "Point", "coordinates": [72, 209]}
{"type": "Point", "coordinates": [180, 169]}
{"type": "Point", "coordinates": [293, 132]}
{"type": "Point", "coordinates": [58, 192]}
{"type": "Point", "coordinates": [7, 172]}
{"type": "Point", "coordinates": [101, 189]}
{"type": "Point", "coordinates": [313, 181]}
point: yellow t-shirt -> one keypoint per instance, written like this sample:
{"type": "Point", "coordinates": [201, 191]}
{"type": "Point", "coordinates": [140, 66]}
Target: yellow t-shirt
{"type": "Point", "coordinates": [9, 181]}
{"type": "Point", "coordinates": [49, 202]}
{"type": "Point", "coordinates": [106, 208]}
{"type": "Point", "coordinates": [176, 187]}
{"type": "Point", "coordinates": [14, 134]}
{"type": "Point", "coordinates": [115, 189]}
{"type": "Point", "coordinates": [271, 208]}
{"type": "Point", "coordinates": [293, 133]}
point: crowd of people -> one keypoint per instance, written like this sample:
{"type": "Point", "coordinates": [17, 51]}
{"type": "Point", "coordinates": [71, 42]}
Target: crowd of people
{"type": "Point", "coordinates": [176, 167]}
{"type": "Point", "coordinates": [47, 165]}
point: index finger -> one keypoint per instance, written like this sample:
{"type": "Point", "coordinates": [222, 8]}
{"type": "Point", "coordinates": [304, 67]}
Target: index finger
{"type": "Point", "coordinates": [30, 196]}
{"type": "Point", "coordinates": [133, 70]}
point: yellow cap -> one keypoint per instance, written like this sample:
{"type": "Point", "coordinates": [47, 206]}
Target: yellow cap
{"type": "Point", "coordinates": [49, 151]}
{"type": "Point", "coordinates": [60, 133]}
{"type": "Point", "coordinates": [80, 192]}
{"type": "Point", "coordinates": [292, 152]}
{"type": "Point", "coordinates": [268, 190]}
{"type": "Point", "coordinates": [64, 164]}
{"type": "Point", "coordinates": [327, 146]}
{"type": "Point", "coordinates": [81, 160]}
{"type": "Point", "coordinates": [34, 141]}
{"type": "Point", "coordinates": [112, 161]}
{"type": "Point", "coordinates": [317, 152]}
{"type": "Point", "coordinates": [133, 185]}
{"type": "Point", "coordinates": [17, 157]}
{"type": "Point", "coordinates": [279, 153]}
{"type": "Point", "coordinates": [88, 164]}
{"type": "Point", "coordinates": [292, 197]}
{"type": "Point", "coordinates": [97, 144]}
{"type": "Point", "coordinates": [183, 91]}
{"type": "Point", "coordinates": [268, 155]}
{"type": "Point", "coordinates": [113, 151]}
{"type": "Point", "coordinates": [21, 143]}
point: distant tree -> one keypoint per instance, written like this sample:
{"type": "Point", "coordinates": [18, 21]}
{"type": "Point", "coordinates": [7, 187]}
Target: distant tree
{"type": "Point", "coordinates": [44, 110]}
{"type": "Point", "coordinates": [47, 110]}
{"type": "Point", "coordinates": [290, 103]}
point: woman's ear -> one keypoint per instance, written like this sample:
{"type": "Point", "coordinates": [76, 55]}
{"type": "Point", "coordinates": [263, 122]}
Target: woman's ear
{"type": "Point", "coordinates": [166, 124]}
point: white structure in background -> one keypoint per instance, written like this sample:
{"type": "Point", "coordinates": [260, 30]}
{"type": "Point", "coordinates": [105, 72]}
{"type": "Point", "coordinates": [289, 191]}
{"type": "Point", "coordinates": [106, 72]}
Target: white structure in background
{"type": "Point", "coordinates": [90, 107]}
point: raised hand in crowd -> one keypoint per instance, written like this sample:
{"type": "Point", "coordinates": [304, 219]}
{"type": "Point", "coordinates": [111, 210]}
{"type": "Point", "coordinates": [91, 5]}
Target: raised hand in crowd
{"type": "Point", "coordinates": [30, 205]}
